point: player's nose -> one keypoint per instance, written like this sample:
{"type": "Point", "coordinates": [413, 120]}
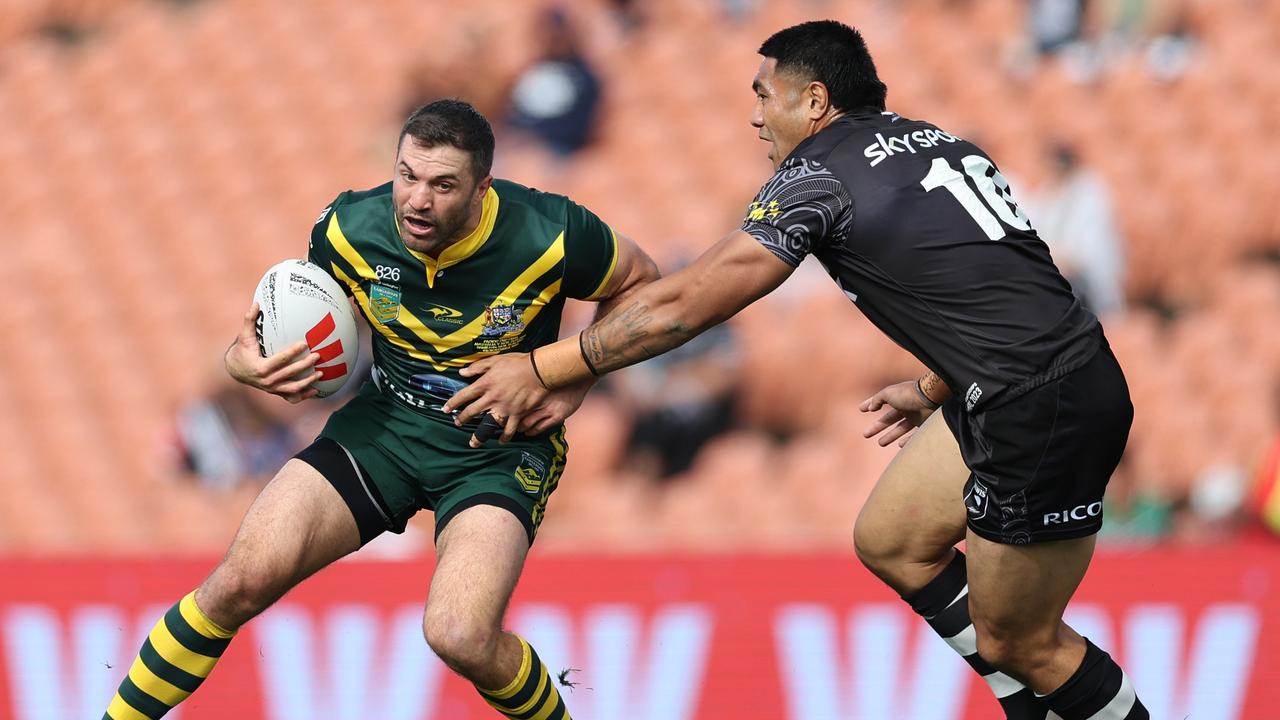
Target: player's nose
{"type": "Point", "coordinates": [420, 198]}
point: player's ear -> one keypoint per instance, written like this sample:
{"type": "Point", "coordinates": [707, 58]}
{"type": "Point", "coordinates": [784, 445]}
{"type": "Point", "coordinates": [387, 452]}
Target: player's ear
{"type": "Point", "coordinates": [817, 99]}
{"type": "Point", "coordinates": [482, 187]}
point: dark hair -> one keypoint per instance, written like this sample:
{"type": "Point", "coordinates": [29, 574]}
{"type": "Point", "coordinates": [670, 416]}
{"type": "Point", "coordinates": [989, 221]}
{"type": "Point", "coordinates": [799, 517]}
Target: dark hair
{"type": "Point", "coordinates": [1064, 155]}
{"type": "Point", "coordinates": [456, 123]}
{"type": "Point", "coordinates": [833, 54]}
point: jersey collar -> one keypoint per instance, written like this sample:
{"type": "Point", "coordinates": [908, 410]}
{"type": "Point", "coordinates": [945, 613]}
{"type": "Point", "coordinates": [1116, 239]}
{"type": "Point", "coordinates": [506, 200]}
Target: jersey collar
{"type": "Point", "coordinates": [467, 246]}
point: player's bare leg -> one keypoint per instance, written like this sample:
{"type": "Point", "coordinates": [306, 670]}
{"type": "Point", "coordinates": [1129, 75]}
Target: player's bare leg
{"type": "Point", "coordinates": [906, 534]}
{"type": "Point", "coordinates": [297, 525]}
{"type": "Point", "coordinates": [479, 557]}
{"type": "Point", "coordinates": [1017, 595]}
{"type": "Point", "coordinates": [907, 531]}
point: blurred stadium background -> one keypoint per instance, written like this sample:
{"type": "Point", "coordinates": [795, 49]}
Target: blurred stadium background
{"type": "Point", "coordinates": [157, 156]}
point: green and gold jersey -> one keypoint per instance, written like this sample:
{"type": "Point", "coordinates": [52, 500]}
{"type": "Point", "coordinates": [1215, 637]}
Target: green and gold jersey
{"type": "Point", "coordinates": [501, 288]}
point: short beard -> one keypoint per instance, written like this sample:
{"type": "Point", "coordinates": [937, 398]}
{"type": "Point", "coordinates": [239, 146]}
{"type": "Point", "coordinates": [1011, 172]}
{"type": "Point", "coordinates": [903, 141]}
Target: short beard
{"type": "Point", "coordinates": [446, 234]}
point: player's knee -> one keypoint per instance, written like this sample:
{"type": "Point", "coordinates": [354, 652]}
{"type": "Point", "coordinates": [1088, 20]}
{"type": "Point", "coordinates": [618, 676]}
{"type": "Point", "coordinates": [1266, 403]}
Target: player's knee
{"type": "Point", "coordinates": [883, 549]}
{"type": "Point", "coordinates": [1016, 650]}
{"type": "Point", "coordinates": [464, 646]}
{"type": "Point", "coordinates": [871, 549]}
{"type": "Point", "coordinates": [232, 595]}
{"type": "Point", "coordinates": [999, 649]}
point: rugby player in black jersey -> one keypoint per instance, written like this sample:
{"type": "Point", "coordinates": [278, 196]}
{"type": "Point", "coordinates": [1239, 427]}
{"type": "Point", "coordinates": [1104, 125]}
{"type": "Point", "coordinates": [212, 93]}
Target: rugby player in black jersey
{"type": "Point", "coordinates": [922, 233]}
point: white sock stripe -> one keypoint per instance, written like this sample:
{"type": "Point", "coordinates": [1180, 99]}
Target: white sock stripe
{"type": "Point", "coordinates": [1002, 685]}
{"type": "Point", "coordinates": [965, 642]}
{"type": "Point", "coordinates": [1052, 715]}
{"type": "Point", "coordinates": [1121, 704]}
{"type": "Point", "coordinates": [963, 592]}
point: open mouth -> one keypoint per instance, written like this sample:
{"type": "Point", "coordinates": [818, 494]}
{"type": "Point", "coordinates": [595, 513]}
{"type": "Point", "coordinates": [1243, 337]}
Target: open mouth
{"type": "Point", "coordinates": [418, 226]}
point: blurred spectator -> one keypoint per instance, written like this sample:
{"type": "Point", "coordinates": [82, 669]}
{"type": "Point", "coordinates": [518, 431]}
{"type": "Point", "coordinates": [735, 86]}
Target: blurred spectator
{"type": "Point", "coordinates": [628, 15]}
{"type": "Point", "coordinates": [556, 99]}
{"type": "Point", "coordinates": [1055, 24]}
{"type": "Point", "coordinates": [1089, 36]}
{"type": "Point", "coordinates": [1073, 215]}
{"type": "Point", "coordinates": [679, 401]}
{"type": "Point", "coordinates": [1170, 53]}
{"type": "Point", "coordinates": [1132, 516]}
{"type": "Point", "coordinates": [1215, 506]}
{"type": "Point", "coordinates": [236, 435]}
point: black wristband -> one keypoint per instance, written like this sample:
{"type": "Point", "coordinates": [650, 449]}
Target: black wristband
{"type": "Point", "coordinates": [537, 374]}
{"type": "Point", "coordinates": [582, 348]}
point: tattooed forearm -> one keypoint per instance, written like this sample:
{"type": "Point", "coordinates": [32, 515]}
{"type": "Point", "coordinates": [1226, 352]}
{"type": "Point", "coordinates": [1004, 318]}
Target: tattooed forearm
{"type": "Point", "coordinates": [630, 335]}
{"type": "Point", "coordinates": [934, 388]}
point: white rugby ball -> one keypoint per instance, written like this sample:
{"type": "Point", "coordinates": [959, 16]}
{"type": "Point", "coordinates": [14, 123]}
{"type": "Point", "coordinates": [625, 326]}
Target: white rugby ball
{"type": "Point", "coordinates": [299, 301]}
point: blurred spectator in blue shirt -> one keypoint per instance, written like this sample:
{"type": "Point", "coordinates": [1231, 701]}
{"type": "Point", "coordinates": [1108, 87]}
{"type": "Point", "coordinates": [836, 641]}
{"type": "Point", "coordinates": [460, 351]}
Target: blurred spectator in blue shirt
{"type": "Point", "coordinates": [557, 98]}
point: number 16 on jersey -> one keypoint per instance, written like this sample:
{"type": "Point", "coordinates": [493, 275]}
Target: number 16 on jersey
{"type": "Point", "coordinates": [990, 183]}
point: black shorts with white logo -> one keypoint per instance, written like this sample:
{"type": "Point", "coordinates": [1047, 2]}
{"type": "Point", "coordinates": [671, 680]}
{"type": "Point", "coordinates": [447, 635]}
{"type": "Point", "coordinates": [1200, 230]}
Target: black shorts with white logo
{"type": "Point", "coordinates": [1040, 462]}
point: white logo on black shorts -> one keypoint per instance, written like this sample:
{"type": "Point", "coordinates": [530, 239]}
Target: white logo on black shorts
{"type": "Point", "coordinates": [972, 396]}
{"type": "Point", "coordinates": [1075, 514]}
{"type": "Point", "coordinates": [976, 500]}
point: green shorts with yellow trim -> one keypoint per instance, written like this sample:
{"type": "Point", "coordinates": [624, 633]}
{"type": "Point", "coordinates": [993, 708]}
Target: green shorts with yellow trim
{"type": "Point", "coordinates": [390, 461]}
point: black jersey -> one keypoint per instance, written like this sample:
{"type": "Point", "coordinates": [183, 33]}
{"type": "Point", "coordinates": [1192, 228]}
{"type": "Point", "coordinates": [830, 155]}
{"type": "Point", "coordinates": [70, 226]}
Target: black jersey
{"type": "Point", "coordinates": [920, 230]}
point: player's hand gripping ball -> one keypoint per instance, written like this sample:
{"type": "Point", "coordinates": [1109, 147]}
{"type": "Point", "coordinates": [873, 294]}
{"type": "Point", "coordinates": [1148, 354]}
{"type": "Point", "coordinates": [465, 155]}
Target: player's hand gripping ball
{"type": "Point", "coordinates": [299, 301]}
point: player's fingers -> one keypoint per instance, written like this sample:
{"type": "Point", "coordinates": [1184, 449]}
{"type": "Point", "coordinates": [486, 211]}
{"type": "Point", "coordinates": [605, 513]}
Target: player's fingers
{"type": "Point", "coordinates": [462, 399]}
{"type": "Point", "coordinates": [530, 421]}
{"type": "Point", "coordinates": [491, 423]}
{"type": "Point", "coordinates": [541, 426]}
{"type": "Point", "coordinates": [510, 428]}
{"type": "Point", "coordinates": [306, 363]}
{"type": "Point", "coordinates": [540, 420]}
{"type": "Point", "coordinates": [872, 404]}
{"type": "Point", "coordinates": [906, 437]}
{"type": "Point", "coordinates": [296, 398]}
{"type": "Point", "coordinates": [890, 417]}
{"type": "Point", "coordinates": [299, 386]}
{"type": "Point", "coordinates": [476, 368]}
{"type": "Point", "coordinates": [904, 431]}
{"type": "Point", "coordinates": [895, 432]}
{"type": "Point", "coordinates": [284, 357]}
{"type": "Point", "coordinates": [467, 412]}
{"type": "Point", "coordinates": [250, 326]}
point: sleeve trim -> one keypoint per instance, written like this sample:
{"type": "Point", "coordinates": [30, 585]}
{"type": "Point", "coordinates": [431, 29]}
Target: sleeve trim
{"type": "Point", "coordinates": [761, 234]}
{"type": "Point", "coordinates": [608, 275]}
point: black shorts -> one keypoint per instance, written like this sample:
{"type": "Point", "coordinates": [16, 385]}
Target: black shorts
{"type": "Point", "coordinates": [1040, 462]}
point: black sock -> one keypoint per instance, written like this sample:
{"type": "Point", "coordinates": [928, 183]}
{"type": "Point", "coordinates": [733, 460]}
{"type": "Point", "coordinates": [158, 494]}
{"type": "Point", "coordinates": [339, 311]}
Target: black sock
{"type": "Point", "coordinates": [944, 604]}
{"type": "Point", "coordinates": [1099, 690]}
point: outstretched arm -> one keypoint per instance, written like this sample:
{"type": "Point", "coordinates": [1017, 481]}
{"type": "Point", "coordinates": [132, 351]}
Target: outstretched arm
{"type": "Point", "coordinates": [654, 319]}
{"type": "Point", "coordinates": [634, 270]}
{"type": "Point", "coordinates": [732, 274]}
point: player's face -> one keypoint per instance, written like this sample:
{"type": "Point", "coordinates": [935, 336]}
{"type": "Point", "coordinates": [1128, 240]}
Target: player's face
{"type": "Point", "coordinates": [437, 199]}
{"type": "Point", "coordinates": [781, 113]}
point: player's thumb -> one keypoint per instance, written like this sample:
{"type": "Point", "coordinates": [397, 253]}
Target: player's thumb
{"type": "Point", "coordinates": [872, 404]}
{"type": "Point", "coordinates": [249, 328]}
